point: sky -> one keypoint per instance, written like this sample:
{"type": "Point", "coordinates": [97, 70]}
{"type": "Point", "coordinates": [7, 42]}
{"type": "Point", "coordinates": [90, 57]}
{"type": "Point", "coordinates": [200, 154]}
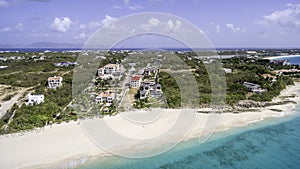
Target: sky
{"type": "Point", "coordinates": [227, 24]}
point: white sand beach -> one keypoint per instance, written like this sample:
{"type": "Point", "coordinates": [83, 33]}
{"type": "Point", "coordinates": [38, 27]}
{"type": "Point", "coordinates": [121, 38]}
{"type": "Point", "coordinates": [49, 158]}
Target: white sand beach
{"type": "Point", "coordinates": [52, 145]}
{"type": "Point", "coordinates": [280, 57]}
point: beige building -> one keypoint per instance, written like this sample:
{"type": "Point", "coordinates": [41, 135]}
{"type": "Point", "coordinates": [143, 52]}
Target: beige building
{"type": "Point", "coordinates": [54, 82]}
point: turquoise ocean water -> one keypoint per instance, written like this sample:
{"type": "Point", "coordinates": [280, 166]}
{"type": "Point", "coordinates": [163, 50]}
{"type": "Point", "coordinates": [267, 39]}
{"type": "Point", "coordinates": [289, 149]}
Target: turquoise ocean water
{"type": "Point", "coordinates": [273, 143]}
{"type": "Point", "coordinates": [292, 59]}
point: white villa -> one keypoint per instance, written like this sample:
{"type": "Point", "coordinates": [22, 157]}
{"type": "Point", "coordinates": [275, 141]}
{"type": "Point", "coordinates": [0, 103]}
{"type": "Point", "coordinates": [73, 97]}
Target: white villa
{"type": "Point", "coordinates": [136, 81]}
{"type": "Point", "coordinates": [3, 67]}
{"type": "Point", "coordinates": [35, 99]}
{"type": "Point", "coordinates": [256, 88]}
{"type": "Point", "coordinates": [153, 89]}
{"type": "Point", "coordinates": [227, 70]}
{"type": "Point", "coordinates": [106, 97]}
{"type": "Point", "coordinates": [108, 71]}
{"type": "Point", "coordinates": [143, 94]}
{"type": "Point", "coordinates": [54, 82]}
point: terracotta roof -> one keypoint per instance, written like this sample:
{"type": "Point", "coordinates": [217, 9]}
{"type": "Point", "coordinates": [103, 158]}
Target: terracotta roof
{"type": "Point", "coordinates": [136, 78]}
{"type": "Point", "coordinates": [268, 75]}
{"type": "Point", "coordinates": [103, 95]}
{"type": "Point", "coordinates": [107, 93]}
{"type": "Point", "coordinates": [55, 78]}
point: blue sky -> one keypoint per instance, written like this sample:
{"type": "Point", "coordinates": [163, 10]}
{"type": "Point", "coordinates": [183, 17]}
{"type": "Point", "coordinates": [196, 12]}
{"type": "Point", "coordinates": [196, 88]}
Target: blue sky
{"type": "Point", "coordinates": [230, 23]}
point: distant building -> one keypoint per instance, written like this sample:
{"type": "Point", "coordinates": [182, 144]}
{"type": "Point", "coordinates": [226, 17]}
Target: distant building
{"type": "Point", "coordinates": [136, 81]}
{"type": "Point", "coordinates": [156, 91]}
{"type": "Point", "coordinates": [150, 71]}
{"type": "Point", "coordinates": [106, 97]}
{"type": "Point", "coordinates": [227, 70]}
{"type": "Point", "coordinates": [3, 67]}
{"type": "Point", "coordinates": [107, 71]}
{"type": "Point", "coordinates": [153, 89]}
{"type": "Point", "coordinates": [54, 82]}
{"type": "Point", "coordinates": [65, 64]}
{"type": "Point", "coordinates": [256, 88]}
{"type": "Point", "coordinates": [158, 87]}
{"type": "Point", "coordinates": [35, 99]}
{"type": "Point", "coordinates": [251, 52]}
{"type": "Point", "coordinates": [143, 94]}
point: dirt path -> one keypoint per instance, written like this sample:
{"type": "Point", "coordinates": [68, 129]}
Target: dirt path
{"type": "Point", "coordinates": [6, 105]}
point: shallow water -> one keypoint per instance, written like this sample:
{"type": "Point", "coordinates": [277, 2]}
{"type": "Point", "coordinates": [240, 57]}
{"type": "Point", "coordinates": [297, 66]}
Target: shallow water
{"type": "Point", "coordinates": [273, 143]}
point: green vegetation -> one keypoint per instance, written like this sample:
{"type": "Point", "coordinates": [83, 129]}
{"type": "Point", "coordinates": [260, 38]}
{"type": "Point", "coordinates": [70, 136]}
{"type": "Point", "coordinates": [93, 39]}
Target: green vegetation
{"type": "Point", "coordinates": [244, 70]}
{"type": "Point", "coordinates": [32, 72]}
{"type": "Point", "coordinates": [29, 72]}
{"type": "Point", "coordinates": [170, 89]}
{"type": "Point", "coordinates": [28, 117]}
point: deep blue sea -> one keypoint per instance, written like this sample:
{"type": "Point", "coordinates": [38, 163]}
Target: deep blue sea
{"type": "Point", "coordinates": [271, 144]}
{"type": "Point", "coordinates": [293, 59]}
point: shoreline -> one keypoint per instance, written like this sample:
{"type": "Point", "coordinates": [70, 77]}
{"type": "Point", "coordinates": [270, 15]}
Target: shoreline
{"type": "Point", "coordinates": [42, 147]}
{"type": "Point", "coordinates": [280, 57]}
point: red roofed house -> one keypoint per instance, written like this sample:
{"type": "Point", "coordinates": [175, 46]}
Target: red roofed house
{"type": "Point", "coordinates": [136, 81]}
{"type": "Point", "coordinates": [54, 82]}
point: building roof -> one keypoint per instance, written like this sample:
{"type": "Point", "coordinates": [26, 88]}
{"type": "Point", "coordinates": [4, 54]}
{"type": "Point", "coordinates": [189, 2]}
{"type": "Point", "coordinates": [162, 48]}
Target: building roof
{"type": "Point", "coordinates": [111, 65]}
{"type": "Point", "coordinates": [103, 95]}
{"type": "Point", "coordinates": [136, 78]}
{"type": "Point", "coordinates": [268, 75]}
{"type": "Point", "coordinates": [36, 95]}
{"type": "Point", "coordinates": [55, 78]}
{"type": "Point", "coordinates": [143, 92]}
{"type": "Point", "coordinates": [251, 84]}
{"type": "Point", "coordinates": [107, 93]}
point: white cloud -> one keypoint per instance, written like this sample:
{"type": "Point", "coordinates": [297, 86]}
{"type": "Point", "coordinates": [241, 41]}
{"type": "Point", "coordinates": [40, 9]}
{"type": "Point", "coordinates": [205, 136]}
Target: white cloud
{"type": "Point", "coordinates": [135, 7]}
{"type": "Point", "coordinates": [153, 21]}
{"type": "Point", "coordinates": [62, 24]}
{"type": "Point", "coordinates": [286, 20]}
{"type": "Point", "coordinates": [38, 35]}
{"type": "Point", "coordinates": [107, 20]}
{"type": "Point", "coordinates": [173, 25]}
{"type": "Point", "coordinates": [5, 29]}
{"type": "Point", "coordinates": [130, 5]}
{"type": "Point", "coordinates": [3, 3]}
{"type": "Point", "coordinates": [91, 25]}
{"type": "Point", "coordinates": [234, 28]}
{"type": "Point", "coordinates": [18, 27]}
{"type": "Point", "coordinates": [126, 2]}
{"type": "Point", "coordinates": [116, 7]}
{"type": "Point", "coordinates": [178, 24]}
{"type": "Point", "coordinates": [94, 24]}
{"type": "Point", "coordinates": [170, 24]}
{"type": "Point", "coordinates": [81, 36]}
{"type": "Point", "coordinates": [218, 29]}
{"type": "Point", "coordinates": [86, 30]}
{"type": "Point", "coordinates": [82, 26]}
